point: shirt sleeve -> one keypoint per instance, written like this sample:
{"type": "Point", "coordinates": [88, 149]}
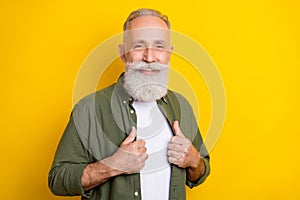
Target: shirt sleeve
{"type": "Point", "coordinates": [70, 160]}
{"type": "Point", "coordinates": [192, 131]}
{"type": "Point", "coordinates": [203, 177]}
{"type": "Point", "coordinates": [199, 144]}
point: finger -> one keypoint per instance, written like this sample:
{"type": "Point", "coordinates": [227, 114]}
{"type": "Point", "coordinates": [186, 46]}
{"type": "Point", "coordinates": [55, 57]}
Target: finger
{"type": "Point", "coordinates": [177, 148]}
{"type": "Point", "coordinates": [142, 150]}
{"type": "Point", "coordinates": [131, 137]}
{"type": "Point", "coordinates": [144, 156]}
{"type": "Point", "coordinates": [173, 147]}
{"type": "Point", "coordinates": [172, 160]}
{"type": "Point", "coordinates": [139, 143]}
{"type": "Point", "coordinates": [137, 152]}
{"type": "Point", "coordinates": [174, 154]}
{"type": "Point", "coordinates": [180, 140]}
{"type": "Point", "coordinates": [176, 129]}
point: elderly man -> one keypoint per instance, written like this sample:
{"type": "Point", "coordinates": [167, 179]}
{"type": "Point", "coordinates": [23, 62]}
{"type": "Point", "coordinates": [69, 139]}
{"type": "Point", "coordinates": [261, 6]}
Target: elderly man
{"type": "Point", "coordinates": [134, 139]}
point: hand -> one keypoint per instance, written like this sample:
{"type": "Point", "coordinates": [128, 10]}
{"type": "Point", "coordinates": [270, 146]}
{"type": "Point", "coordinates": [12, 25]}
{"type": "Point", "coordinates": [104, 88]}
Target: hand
{"type": "Point", "coordinates": [181, 152]}
{"type": "Point", "coordinates": [130, 157]}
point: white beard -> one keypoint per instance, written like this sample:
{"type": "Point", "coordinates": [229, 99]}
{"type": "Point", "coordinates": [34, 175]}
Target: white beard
{"type": "Point", "coordinates": [146, 88]}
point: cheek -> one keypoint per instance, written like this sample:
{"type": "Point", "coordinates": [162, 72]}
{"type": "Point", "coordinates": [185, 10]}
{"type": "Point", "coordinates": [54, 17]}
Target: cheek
{"type": "Point", "coordinates": [133, 57]}
{"type": "Point", "coordinates": [164, 58]}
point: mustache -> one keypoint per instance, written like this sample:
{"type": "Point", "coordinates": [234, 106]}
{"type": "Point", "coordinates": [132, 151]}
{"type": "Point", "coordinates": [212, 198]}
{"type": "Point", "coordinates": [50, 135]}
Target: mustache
{"type": "Point", "coordinates": [141, 65]}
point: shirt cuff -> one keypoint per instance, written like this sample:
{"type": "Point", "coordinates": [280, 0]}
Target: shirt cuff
{"type": "Point", "coordinates": [65, 180]}
{"type": "Point", "coordinates": [203, 177]}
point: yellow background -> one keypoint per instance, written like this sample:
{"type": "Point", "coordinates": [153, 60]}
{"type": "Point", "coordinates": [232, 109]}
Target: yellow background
{"type": "Point", "coordinates": [255, 45]}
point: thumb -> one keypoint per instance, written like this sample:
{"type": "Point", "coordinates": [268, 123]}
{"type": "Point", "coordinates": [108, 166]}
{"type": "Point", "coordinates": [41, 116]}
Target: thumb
{"type": "Point", "coordinates": [177, 129]}
{"type": "Point", "coordinates": [131, 137]}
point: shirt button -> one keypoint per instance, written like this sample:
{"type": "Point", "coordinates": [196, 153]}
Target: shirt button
{"type": "Point", "coordinates": [124, 102]}
{"type": "Point", "coordinates": [131, 111]}
{"type": "Point", "coordinates": [136, 194]}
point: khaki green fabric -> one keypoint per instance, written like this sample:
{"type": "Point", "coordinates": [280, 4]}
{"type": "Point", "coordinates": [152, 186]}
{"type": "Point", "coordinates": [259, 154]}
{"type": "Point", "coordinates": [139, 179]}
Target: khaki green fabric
{"type": "Point", "coordinates": [97, 126]}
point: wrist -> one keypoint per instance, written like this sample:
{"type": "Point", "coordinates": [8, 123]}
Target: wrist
{"type": "Point", "coordinates": [196, 162]}
{"type": "Point", "coordinates": [195, 158]}
{"type": "Point", "coordinates": [111, 167]}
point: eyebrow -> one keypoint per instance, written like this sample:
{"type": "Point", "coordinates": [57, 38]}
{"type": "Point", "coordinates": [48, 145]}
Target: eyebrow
{"type": "Point", "coordinates": [155, 42]}
{"type": "Point", "coordinates": [139, 41]}
{"type": "Point", "coordinates": [160, 42]}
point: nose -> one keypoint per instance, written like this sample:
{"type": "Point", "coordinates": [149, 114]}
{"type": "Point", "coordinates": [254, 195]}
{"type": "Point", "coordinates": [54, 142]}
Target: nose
{"type": "Point", "coordinates": [149, 55]}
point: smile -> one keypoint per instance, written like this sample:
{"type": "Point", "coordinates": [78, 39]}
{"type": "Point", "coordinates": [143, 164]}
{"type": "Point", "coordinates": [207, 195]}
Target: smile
{"type": "Point", "coordinates": [148, 71]}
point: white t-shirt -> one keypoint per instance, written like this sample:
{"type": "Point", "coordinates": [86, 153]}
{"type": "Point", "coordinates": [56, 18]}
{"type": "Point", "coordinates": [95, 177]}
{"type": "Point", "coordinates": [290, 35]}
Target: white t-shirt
{"type": "Point", "coordinates": [153, 127]}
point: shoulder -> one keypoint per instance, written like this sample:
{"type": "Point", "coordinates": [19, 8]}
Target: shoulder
{"type": "Point", "coordinates": [177, 99]}
{"type": "Point", "coordinates": [94, 99]}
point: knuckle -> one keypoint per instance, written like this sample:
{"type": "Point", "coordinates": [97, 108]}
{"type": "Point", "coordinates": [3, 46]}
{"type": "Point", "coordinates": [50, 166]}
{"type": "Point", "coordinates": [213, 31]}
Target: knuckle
{"type": "Point", "coordinates": [142, 150]}
{"type": "Point", "coordinates": [185, 150]}
{"type": "Point", "coordinates": [142, 142]}
{"type": "Point", "coordinates": [169, 153]}
{"type": "Point", "coordinates": [135, 147]}
{"type": "Point", "coordinates": [144, 157]}
{"type": "Point", "coordinates": [171, 147]}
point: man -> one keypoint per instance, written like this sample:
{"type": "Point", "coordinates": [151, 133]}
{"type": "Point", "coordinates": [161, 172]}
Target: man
{"type": "Point", "coordinates": [135, 139]}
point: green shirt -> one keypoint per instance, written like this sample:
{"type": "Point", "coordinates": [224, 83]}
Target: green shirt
{"type": "Point", "coordinates": [97, 126]}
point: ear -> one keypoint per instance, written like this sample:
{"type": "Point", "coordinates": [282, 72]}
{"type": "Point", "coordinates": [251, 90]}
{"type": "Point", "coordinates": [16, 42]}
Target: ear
{"type": "Point", "coordinates": [122, 52]}
{"type": "Point", "coordinates": [171, 49]}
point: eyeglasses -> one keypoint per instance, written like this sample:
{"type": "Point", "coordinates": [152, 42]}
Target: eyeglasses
{"type": "Point", "coordinates": [157, 47]}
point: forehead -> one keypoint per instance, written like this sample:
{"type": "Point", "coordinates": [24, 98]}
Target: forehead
{"type": "Point", "coordinates": [147, 29]}
{"type": "Point", "coordinates": [147, 35]}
